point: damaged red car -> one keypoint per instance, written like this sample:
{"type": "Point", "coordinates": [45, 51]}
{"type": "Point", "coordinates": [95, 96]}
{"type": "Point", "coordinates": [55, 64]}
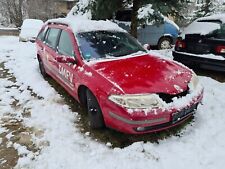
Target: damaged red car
{"type": "Point", "coordinates": [121, 84]}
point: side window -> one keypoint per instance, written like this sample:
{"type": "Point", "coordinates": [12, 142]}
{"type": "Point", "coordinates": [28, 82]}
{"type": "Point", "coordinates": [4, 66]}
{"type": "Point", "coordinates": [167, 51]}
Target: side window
{"type": "Point", "coordinates": [221, 32]}
{"type": "Point", "coordinates": [52, 37]}
{"type": "Point", "coordinates": [41, 35]}
{"type": "Point", "coordinates": [65, 46]}
{"type": "Point", "coordinates": [124, 15]}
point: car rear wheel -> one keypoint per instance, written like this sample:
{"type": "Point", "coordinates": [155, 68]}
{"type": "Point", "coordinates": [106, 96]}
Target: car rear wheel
{"type": "Point", "coordinates": [165, 43]}
{"type": "Point", "coordinates": [42, 68]}
{"type": "Point", "coordinates": [94, 111]}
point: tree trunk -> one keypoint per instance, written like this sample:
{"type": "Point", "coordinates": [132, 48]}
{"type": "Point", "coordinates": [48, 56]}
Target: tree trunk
{"type": "Point", "coordinates": [134, 20]}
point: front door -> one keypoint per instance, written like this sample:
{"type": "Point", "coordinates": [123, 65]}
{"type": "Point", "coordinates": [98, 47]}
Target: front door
{"type": "Point", "coordinates": [67, 71]}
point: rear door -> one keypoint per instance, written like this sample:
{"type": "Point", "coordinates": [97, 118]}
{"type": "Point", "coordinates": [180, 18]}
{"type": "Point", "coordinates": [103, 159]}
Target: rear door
{"type": "Point", "coordinates": [50, 54]}
{"type": "Point", "coordinates": [40, 41]}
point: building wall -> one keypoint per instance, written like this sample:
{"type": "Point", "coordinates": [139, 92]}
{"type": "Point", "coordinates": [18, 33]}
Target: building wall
{"type": "Point", "coordinates": [63, 7]}
{"type": "Point", "coordinates": [46, 9]}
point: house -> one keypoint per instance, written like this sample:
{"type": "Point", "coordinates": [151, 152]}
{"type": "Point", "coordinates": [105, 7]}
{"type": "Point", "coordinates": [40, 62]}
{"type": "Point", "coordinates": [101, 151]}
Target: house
{"type": "Point", "coordinates": [64, 6]}
{"type": "Point", "coordinates": [46, 9]}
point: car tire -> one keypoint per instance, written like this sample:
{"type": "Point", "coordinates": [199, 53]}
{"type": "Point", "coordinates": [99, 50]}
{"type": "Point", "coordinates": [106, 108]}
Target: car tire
{"type": "Point", "coordinates": [165, 43]}
{"type": "Point", "coordinates": [42, 68]}
{"type": "Point", "coordinates": [94, 111]}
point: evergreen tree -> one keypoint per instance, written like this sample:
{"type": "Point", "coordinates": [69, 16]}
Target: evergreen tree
{"type": "Point", "coordinates": [205, 8]}
{"type": "Point", "coordinates": [104, 9]}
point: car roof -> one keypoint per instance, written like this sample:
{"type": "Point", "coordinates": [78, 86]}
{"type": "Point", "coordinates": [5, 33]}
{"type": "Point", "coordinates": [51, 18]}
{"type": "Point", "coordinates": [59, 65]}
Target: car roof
{"type": "Point", "coordinates": [81, 24]}
{"type": "Point", "coordinates": [215, 17]}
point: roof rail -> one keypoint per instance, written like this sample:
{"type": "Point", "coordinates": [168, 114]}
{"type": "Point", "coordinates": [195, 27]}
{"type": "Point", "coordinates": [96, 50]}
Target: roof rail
{"type": "Point", "coordinates": [57, 23]}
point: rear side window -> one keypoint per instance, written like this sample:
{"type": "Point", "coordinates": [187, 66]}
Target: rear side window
{"type": "Point", "coordinates": [65, 46]}
{"type": "Point", "coordinates": [52, 37]}
{"type": "Point", "coordinates": [41, 35]}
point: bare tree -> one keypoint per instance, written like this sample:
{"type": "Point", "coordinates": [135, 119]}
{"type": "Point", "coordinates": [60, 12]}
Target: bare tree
{"type": "Point", "coordinates": [13, 9]}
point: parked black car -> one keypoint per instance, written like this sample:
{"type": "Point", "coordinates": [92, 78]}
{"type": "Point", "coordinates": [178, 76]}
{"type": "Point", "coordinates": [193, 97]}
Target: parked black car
{"type": "Point", "coordinates": [202, 43]}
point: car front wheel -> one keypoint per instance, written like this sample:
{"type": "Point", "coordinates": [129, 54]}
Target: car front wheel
{"type": "Point", "coordinates": [94, 111]}
{"type": "Point", "coordinates": [165, 43]}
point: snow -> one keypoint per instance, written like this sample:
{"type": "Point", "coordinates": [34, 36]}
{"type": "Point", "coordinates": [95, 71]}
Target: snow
{"type": "Point", "coordinates": [220, 17]}
{"type": "Point", "coordinates": [30, 28]}
{"type": "Point", "coordinates": [200, 144]}
{"type": "Point", "coordinates": [81, 9]}
{"type": "Point", "coordinates": [8, 29]}
{"type": "Point", "coordinates": [202, 26]}
{"type": "Point", "coordinates": [88, 73]}
{"type": "Point", "coordinates": [171, 22]}
{"type": "Point", "coordinates": [81, 24]}
{"type": "Point", "coordinates": [111, 58]}
{"type": "Point", "coordinates": [207, 56]}
{"type": "Point", "coordinates": [145, 11]}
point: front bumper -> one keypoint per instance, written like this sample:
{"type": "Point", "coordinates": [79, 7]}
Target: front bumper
{"type": "Point", "coordinates": [194, 60]}
{"type": "Point", "coordinates": [176, 119]}
{"type": "Point", "coordinates": [153, 121]}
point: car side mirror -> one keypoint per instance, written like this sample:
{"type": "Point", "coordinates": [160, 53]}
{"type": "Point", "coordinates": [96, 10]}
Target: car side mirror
{"type": "Point", "coordinates": [65, 59]}
{"type": "Point", "coordinates": [147, 47]}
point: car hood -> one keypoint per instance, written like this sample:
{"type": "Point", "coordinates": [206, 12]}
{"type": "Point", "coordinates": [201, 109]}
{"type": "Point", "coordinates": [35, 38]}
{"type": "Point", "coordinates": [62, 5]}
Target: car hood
{"type": "Point", "coordinates": [144, 74]}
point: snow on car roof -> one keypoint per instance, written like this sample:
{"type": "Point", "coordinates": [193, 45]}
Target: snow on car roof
{"type": "Point", "coordinates": [220, 17]}
{"type": "Point", "coordinates": [203, 28]}
{"type": "Point", "coordinates": [82, 24]}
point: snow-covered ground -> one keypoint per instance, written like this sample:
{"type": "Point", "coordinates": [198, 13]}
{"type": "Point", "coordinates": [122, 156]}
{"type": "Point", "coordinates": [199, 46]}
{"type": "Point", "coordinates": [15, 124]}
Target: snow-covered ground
{"type": "Point", "coordinates": [59, 144]}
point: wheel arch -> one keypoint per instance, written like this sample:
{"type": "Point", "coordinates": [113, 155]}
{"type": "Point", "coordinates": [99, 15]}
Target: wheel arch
{"type": "Point", "coordinates": [82, 94]}
{"type": "Point", "coordinates": [165, 36]}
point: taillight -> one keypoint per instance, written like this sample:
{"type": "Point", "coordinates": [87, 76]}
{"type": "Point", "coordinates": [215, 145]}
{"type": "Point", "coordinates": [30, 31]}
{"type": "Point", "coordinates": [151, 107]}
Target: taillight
{"type": "Point", "coordinates": [180, 44]}
{"type": "Point", "coordinates": [220, 49]}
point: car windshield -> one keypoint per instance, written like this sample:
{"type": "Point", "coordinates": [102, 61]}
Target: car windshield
{"type": "Point", "coordinates": [106, 44]}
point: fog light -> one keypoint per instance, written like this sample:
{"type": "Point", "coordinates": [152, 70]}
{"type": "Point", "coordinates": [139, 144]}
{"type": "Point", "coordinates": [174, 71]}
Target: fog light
{"type": "Point", "coordinates": [140, 128]}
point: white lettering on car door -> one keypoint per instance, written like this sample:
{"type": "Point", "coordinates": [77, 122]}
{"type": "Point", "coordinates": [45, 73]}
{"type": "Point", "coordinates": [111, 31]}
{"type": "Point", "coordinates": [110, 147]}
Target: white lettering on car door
{"type": "Point", "coordinates": [67, 75]}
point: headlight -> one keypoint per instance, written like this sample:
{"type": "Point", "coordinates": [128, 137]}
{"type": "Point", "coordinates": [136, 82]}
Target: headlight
{"type": "Point", "coordinates": [194, 82]}
{"type": "Point", "coordinates": [144, 101]}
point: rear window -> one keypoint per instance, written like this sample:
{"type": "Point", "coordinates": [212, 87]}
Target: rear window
{"type": "Point", "coordinates": [41, 35]}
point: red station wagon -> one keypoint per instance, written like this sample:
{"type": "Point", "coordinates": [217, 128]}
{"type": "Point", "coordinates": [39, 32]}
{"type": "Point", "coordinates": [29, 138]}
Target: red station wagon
{"type": "Point", "coordinates": [108, 71]}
